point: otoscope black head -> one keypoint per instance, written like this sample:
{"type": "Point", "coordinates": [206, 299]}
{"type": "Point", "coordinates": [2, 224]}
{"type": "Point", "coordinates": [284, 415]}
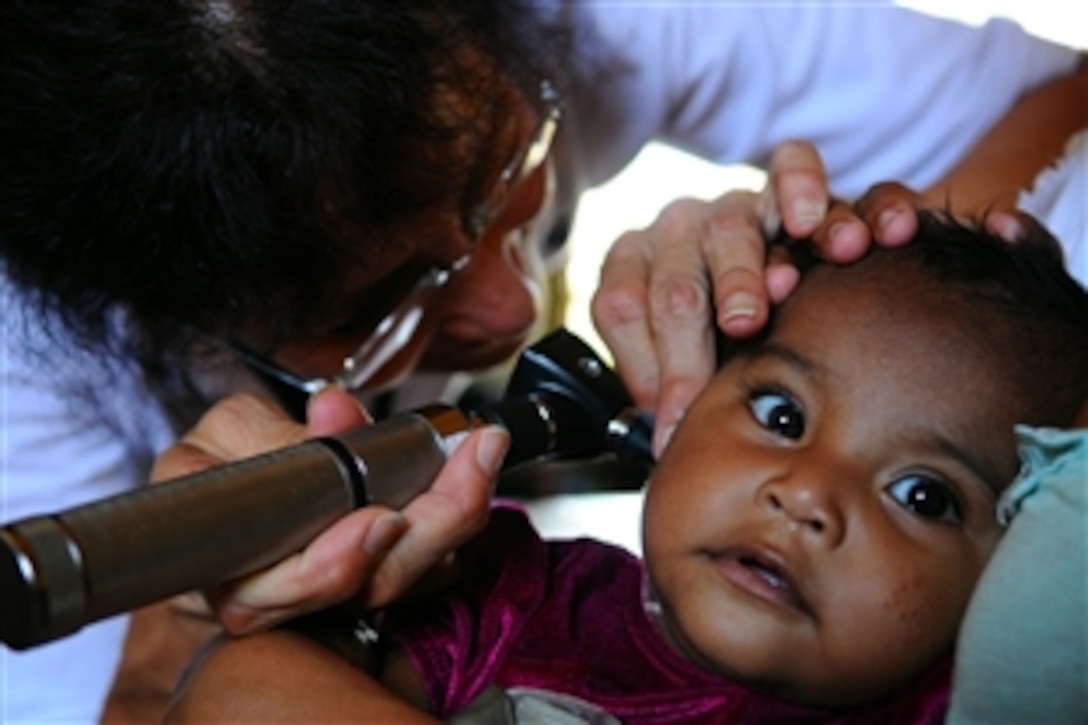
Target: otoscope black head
{"type": "Point", "coordinates": [563, 401]}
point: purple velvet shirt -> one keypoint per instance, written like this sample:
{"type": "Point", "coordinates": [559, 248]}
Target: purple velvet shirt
{"type": "Point", "coordinates": [567, 616]}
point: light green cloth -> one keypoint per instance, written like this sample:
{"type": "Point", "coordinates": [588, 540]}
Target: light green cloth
{"type": "Point", "coordinates": [1024, 643]}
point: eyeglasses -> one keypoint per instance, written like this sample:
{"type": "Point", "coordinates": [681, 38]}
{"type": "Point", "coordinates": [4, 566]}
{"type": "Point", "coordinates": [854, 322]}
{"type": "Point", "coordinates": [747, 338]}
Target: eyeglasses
{"type": "Point", "coordinates": [398, 326]}
{"type": "Point", "coordinates": [528, 159]}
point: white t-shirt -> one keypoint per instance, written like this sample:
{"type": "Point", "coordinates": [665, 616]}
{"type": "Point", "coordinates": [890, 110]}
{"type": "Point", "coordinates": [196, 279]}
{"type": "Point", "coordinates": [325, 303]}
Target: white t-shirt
{"type": "Point", "coordinates": [883, 92]}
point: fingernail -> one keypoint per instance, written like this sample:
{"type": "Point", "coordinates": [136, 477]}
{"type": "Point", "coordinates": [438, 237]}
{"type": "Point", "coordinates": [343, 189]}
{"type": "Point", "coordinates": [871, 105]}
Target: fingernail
{"type": "Point", "coordinates": [807, 214]}
{"type": "Point", "coordinates": [491, 448]}
{"type": "Point", "coordinates": [738, 305]}
{"type": "Point", "coordinates": [847, 245]}
{"type": "Point", "coordinates": [384, 533]}
{"type": "Point", "coordinates": [1007, 226]}
{"type": "Point", "coordinates": [886, 217]}
{"type": "Point", "coordinates": [663, 439]}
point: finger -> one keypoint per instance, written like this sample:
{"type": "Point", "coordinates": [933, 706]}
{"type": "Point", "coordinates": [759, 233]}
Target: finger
{"type": "Point", "coordinates": [182, 459]}
{"type": "Point", "coordinates": [781, 274]}
{"type": "Point", "coordinates": [443, 518]}
{"type": "Point", "coordinates": [843, 236]}
{"type": "Point", "coordinates": [332, 410]}
{"type": "Point", "coordinates": [733, 245]}
{"type": "Point", "coordinates": [331, 569]}
{"type": "Point", "coordinates": [1017, 227]}
{"type": "Point", "coordinates": [680, 308]}
{"type": "Point", "coordinates": [782, 279]}
{"type": "Point", "coordinates": [891, 212]}
{"type": "Point", "coordinates": [1006, 225]}
{"type": "Point", "coordinates": [240, 426]}
{"type": "Point", "coordinates": [620, 312]}
{"type": "Point", "coordinates": [797, 183]}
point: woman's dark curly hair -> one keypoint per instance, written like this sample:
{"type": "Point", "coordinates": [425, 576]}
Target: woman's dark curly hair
{"type": "Point", "coordinates": [199, 162]}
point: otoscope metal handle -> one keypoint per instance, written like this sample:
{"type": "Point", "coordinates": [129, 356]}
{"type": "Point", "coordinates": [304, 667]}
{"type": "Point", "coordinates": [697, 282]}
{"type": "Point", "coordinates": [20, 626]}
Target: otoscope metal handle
{"type": "Point", "coordinates": [59, 572]}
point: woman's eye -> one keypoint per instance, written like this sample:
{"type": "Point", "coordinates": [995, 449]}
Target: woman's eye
{"type": "Point", "coordinates": [928, 498]}
{"type": "Point", "coordinates": [778, 413]}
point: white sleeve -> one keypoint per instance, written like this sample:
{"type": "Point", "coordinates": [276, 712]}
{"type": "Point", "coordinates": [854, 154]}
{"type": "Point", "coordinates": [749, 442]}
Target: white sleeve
{"type": "Point", "coordinates": [1059, 199]}
{"type": "Point", "coordinates": [61, 446]}
{"type": "Point", "coordinates": [884, 92]}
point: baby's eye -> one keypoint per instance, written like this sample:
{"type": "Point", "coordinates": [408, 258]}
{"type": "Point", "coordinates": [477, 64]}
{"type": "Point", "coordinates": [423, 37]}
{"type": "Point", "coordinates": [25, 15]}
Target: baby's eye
{"type": "Point", "coordinates": [778, 413]}
{"type": "Point", "coordinates": [927, 497]}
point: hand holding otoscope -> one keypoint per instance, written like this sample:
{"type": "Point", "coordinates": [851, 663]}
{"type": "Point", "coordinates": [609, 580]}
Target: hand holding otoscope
{"type": "Point", "coordinates": [61, 571]}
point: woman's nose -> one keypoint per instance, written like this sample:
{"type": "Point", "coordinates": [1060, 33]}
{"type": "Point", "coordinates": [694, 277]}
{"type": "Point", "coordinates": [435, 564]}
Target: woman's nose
{"type": "Point", "coordinates": [498, 290]}
{"type": "Point", "coordinates": [810, 501]}
{"type": "Point", "coordinates": [499, 294]}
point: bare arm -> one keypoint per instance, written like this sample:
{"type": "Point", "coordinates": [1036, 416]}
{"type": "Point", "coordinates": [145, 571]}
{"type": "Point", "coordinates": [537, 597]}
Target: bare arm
{"type": "Point", "coordinates": [1032, 136]}
{"type": "Point", "coordinates": [284, 676]}
{"type": "Point", "coordinates": [1029, 138]}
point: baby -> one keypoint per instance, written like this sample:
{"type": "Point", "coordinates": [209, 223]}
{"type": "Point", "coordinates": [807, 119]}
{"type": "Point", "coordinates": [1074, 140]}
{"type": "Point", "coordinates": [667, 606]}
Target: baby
{"type": "Point", "coordinates": [811, 535]}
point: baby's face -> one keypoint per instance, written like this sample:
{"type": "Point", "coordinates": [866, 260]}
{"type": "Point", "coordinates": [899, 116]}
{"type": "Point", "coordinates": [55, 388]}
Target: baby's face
{"type": "Point", "coordinates": [819, 520]}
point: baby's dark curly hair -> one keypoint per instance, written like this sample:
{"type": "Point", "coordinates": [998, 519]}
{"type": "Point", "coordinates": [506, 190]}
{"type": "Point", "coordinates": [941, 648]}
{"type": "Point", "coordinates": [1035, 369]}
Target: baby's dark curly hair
{"type": "Point", "coordinates": [203, 163]}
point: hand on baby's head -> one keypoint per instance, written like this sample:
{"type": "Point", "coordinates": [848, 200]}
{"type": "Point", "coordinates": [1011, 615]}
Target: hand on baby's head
{"type": "Point", "coordinates": [818, 522]}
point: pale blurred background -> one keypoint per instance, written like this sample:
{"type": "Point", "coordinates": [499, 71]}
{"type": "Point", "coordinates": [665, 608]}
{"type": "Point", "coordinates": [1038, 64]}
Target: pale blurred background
{"type": "Point", "coordinates": [634, 198]}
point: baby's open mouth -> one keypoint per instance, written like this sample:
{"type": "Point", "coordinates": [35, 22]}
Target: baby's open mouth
{"type": "Point", "coordinates": [764, 575]}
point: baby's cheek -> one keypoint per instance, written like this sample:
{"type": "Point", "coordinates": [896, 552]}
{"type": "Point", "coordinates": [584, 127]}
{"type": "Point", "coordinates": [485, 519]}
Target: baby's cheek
{"type": "Point", "coordinates": [913, 615]}
{"type": "Point", "coordinates": [907, 612]}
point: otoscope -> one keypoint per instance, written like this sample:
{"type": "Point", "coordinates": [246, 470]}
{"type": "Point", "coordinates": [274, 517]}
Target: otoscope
{"type": "Point", "coordinates": [61, 571]}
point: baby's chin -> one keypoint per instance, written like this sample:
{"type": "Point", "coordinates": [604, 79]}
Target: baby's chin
{"type": "Point", "coordinates": [839, 693]}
